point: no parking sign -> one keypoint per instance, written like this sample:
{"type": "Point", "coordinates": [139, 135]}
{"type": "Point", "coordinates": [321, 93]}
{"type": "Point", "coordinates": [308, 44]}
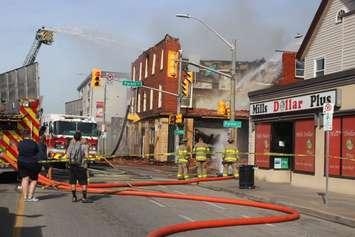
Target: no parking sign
{"type": "Point", "coordinates": [328, 110]}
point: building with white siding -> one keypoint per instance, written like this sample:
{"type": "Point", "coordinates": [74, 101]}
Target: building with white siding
{"type": "Point", "coordinates": [288, 118]}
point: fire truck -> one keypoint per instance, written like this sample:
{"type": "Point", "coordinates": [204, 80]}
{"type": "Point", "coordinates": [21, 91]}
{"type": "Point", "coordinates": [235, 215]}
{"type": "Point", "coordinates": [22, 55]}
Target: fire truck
{"type": "Point", "coordinates": [59, 129]}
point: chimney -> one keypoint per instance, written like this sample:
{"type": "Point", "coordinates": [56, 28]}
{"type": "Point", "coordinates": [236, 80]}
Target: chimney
{"type": "Point", "coordinates": [288, 68]}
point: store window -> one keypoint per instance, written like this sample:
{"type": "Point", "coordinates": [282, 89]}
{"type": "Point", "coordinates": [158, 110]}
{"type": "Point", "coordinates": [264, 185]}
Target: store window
{"type": "Point", "coordinates": [334, 148]}
{"type": "Point", "coordinates": [348, 147]}
{"type": "Point", "coordinates": [319, 67]}
{"type": "Point", "coordinates": [262, 145]}
{"type": "Point", "coordinates": [304, 146]}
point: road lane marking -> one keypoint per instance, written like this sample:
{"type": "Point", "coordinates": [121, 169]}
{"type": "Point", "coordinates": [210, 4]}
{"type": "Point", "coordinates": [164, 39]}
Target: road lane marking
{"type": "Point", "coordinates": [271, 225]}
{"type": "Point", "coordinates": [20, 210]}
{"type": "Point", "coordinates": [179, 192]}
{"type": "Point", "coordinates": [245, 216]}
{"type": "Point", "coordinates": [157, 203]}
{"type": "Point", "coordinates": [215, 205]}
{"type": "Point", "coordinates": [186, 218]}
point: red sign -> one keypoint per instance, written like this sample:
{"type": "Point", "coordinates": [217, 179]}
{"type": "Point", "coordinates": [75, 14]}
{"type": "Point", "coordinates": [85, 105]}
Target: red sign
{"type": "Point", "coordinates": [262, 145]}
{"type": "Point", "coordinates": [348, 147]}
{"type": "Point", "coordinates": [334, 148]}
{"type": "Point", "coordinates": [304, 146]}
{"type": "Point", "coordinates": [99, 104]}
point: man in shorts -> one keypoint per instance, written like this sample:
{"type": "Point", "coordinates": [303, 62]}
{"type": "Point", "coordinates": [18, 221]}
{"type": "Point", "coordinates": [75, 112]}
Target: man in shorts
{"type": "Point", "coordinates": [78, 166]}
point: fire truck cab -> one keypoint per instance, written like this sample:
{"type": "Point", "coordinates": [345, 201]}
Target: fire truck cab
{"type": "Point", "coordinates": [59, 129]}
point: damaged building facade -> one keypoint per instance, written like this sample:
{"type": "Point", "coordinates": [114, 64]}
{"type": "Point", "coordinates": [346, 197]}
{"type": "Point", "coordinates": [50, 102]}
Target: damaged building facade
{"type": "Point", "coordinates": [153, 136]}
{"type": "Point", "coordinates": [288, 118]}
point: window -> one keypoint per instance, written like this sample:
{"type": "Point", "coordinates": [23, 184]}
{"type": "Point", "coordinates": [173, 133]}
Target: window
{"type": "Point", "coordinates": [139, 103]}
{"type": "Point", "coordinates": [319, 67]}
{"type": "Point", "coordinates": [153, 64]}
{"type": "Point", "coordinates": [144, 102]}
{"type": "Point", "coordinates": [162, 59]}
{"type": "Point", "coordinates": [340, 16]}
{"type": "Point", "coordinates": [140, 71]}
{"type": "Point", "coordinates": [146, 68]}
{"type": "Point", "coordinates": [160, 96]}
{"type": "Point", "coordinates": [134, 73]}
{"type": "Point", "coordinates": [151, 99]}
{"type": "Point", "coordinates": [300, 68]}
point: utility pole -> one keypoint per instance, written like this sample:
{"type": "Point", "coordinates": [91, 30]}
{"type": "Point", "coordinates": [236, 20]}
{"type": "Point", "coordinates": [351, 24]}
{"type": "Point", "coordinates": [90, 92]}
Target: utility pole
{"type": "Point", "coordinates": [233, 89]}
{"type": "Point", "coordinates": [104, 120]}
{"type": "Point", "coordinates": [178, 99]}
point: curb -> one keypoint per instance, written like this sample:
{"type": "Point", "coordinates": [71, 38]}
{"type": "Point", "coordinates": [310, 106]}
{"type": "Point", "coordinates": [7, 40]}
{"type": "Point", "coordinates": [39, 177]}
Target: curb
{"type": "Point", "coordinates": [303, 210]}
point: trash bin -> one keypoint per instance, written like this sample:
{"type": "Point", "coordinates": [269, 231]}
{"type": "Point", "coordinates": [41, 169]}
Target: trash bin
{"type": "Point", "coordinates": [246, 177]}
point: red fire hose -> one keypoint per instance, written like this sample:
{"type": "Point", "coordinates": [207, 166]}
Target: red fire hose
{"type": "Point", "coordinates": [290, 214]}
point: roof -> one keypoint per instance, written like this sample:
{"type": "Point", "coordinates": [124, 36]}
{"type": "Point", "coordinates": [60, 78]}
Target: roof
{"type": "Point", "coordinates": [312, 27]}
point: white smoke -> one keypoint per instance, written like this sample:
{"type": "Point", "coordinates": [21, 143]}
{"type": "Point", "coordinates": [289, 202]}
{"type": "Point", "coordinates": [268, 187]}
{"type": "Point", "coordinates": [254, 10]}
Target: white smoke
{"type": "Point", "coordinates": [264, 76]}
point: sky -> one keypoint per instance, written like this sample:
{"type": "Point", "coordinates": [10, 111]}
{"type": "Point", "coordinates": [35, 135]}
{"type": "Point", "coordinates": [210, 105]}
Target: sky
{"type": "Point", "coordinates": [111, 34]}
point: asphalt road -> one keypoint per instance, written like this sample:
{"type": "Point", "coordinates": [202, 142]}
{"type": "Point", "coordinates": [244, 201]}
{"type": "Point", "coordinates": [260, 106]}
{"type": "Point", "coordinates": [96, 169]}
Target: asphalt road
{"type": "Point", "coordinates": [55, 215]}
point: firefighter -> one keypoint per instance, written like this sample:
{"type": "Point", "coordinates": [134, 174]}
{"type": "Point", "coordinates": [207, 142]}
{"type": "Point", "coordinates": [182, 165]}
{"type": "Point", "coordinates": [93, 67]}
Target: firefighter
{"type": "Point", "coordinates": [182, 160]}
{"type": "Point", "coordinates": [201, 151]}
{"type": "Point", "coordinates": [230, 158]}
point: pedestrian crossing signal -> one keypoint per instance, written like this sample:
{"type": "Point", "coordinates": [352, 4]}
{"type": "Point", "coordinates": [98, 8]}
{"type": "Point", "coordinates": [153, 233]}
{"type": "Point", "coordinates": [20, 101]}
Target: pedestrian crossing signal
{"type": "Point", "coordinates": [95, 77]}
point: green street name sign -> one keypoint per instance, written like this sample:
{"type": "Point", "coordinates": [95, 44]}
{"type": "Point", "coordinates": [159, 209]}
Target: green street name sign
{"type": "Point", "coordinates": [179, 132]}
{"type": "Point", "coordinates": [131, 83]}
{"type": "Point", "coordinates": [232, 124]}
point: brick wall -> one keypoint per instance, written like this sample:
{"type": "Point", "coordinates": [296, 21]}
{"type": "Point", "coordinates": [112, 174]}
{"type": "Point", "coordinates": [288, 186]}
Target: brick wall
{"type": "Point", "coordinates": [288, 68]}
{"type": "Point", "coordinates": [156, 78]}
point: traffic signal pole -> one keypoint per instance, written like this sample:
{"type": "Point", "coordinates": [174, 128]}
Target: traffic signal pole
{"type": "Point", "coordinates": [178, 100]}
{"type": "Point", "coordinates": [233, 89]}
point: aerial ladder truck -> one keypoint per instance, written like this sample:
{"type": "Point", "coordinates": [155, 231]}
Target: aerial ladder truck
{"type": "Point", "coordinates": [20, 107]}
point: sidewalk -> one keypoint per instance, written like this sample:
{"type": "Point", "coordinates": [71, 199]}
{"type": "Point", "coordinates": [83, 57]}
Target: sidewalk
{"type": "Point", "coordinates": [341, 207]}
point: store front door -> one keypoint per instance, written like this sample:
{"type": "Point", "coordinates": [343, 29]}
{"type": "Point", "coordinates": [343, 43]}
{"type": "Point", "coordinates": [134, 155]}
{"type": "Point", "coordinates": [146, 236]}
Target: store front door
{"type": "Point", "coordinates": [282, 134]}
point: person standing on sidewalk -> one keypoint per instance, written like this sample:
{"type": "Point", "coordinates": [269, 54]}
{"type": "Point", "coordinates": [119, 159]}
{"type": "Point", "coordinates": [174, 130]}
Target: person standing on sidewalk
{"type": "Point", "coordinates": [230, 158]}
{"type": "Point", "coordinates": [201, 151]}
{"type": "Point", "coordinates": [28, 166]}
{"type": "Point", "coordinates": [77, 166]}
{"type": "Point", "coordinates": [182, 159]}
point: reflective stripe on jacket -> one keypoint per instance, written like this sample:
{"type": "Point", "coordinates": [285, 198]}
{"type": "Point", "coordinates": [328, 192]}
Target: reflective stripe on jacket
{"type": "Point", "coordinates": [201, 152]}
{"type": "Point", "coordinates": [230, 154]}
{"type": "Point", "coordinates": [182, 154]}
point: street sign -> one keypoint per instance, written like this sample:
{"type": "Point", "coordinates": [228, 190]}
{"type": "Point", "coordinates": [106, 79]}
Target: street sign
{"type": "Point", "coordinates": [232, 124]}
{"type": "Point", "coordinates": [179, 132]}
{"type": "Point", "coordinates": [131, 83]}
{"type": "Point", "coordinates": [328, 109]}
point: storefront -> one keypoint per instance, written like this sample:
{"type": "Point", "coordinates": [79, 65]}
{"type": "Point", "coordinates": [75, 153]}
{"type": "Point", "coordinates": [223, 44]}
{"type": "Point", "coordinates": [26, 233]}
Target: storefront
{"type": "Point", "coordinates": [287, 135]}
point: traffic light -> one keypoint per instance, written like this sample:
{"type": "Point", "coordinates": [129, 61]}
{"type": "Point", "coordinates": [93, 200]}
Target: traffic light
{"type": "Point", "coordinates": [179, 118]}
{"type": "Point", "coordinates": [228, 110]}
{"type": "Point", "coordinates": [188, 78]}
{"type": "Point", "coordinates": [172, 119]}
{"type": "Point", "coordinates": [172, 69]}
{"type": "Point", "coordinates": [221, 110]}
{"type": "Point", "coordinates": [95, 77]}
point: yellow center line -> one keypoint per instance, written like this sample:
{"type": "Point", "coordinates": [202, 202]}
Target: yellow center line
{"type": "Point", "coordinates": [20, 210]}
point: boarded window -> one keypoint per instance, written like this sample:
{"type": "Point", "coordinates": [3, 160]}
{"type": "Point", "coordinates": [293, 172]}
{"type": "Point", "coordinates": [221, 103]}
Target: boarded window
{"type": "Point", "coordinates": [162, 59]}
{"type": "Point", "coordinates": [160, 95]}
{"type": "Point", "coordinates": [153, 64]}
{"type": "Point", "coordinates": [304, 146]}
{"type": "Point", "coordinates": [151, 99]}
{"type": "Point", "coordinates": [262, 145]}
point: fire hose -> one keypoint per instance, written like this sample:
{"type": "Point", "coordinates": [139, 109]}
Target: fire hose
{"type": "Point", "coordinates": [105, 188]}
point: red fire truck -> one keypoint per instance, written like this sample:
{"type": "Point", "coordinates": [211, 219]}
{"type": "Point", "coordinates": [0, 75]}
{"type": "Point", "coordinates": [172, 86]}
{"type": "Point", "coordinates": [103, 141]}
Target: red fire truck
{"type": "Point", "coordinates": [60, 129]}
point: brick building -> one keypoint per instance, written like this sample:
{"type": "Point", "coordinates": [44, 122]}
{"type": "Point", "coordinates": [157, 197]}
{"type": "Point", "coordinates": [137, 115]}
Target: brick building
{"type": "Point", "coordinates": [153, 134]}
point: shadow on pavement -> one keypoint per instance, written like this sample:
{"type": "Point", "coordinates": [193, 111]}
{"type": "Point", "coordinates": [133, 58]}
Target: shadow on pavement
{"type": "Point", "coordinates": [51, 196]}
{"type": "Point", "coordinates": [98, 197]}
{"type": "Point", "coordinates": [8, 177]}
{"type": "Point", "coordinates": [33, 231]}
{"type": "Point", "coordinates": [7, 221]}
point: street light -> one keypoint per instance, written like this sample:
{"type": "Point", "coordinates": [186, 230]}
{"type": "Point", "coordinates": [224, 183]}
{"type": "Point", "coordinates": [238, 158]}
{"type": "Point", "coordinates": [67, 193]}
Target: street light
{"type": "Point", "coordinates": [233, 48]}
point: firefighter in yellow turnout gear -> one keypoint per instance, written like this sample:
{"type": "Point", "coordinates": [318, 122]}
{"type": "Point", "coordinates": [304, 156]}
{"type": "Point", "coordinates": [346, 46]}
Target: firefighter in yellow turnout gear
{"type": "Point", "coordinates": [230, 158]}
{"type": "Point", "coordinates": [183, 156]}
{"type": "Point", "coordinates": [201, 151]}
